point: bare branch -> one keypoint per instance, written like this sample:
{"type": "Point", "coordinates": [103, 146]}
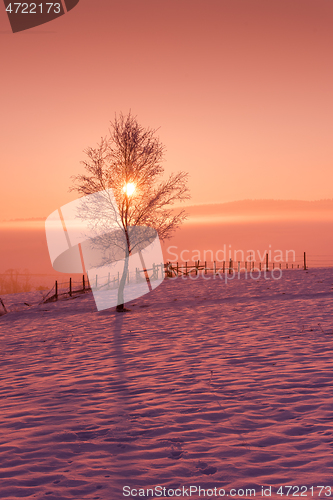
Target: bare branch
{"type": "Point", "coordinates": [134, 154]}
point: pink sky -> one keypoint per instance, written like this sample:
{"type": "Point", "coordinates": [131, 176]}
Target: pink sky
{"type": "Point", "coordinates": [273, 227]}
{"type": "Point", "coordinates": [241, 91]}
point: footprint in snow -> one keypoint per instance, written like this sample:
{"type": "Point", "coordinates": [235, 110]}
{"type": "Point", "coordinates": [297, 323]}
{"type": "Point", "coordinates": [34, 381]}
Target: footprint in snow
{"type": "Point", "coordinates": [204, 468]}
{"type": "Point", "coordinates": [176, 452]}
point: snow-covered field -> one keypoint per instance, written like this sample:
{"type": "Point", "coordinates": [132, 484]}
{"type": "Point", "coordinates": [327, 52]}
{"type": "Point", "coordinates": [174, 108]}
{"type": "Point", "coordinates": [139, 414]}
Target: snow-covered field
{"type": "Point", "coordinates": [203, 384]}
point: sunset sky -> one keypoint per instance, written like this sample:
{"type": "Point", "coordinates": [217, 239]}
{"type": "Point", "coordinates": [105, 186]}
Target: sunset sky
{"type": "Point", "coordinates": [241, 91]}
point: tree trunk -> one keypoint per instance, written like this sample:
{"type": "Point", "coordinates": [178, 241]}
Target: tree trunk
{"type": "Point", "coordinates": [120, 306]}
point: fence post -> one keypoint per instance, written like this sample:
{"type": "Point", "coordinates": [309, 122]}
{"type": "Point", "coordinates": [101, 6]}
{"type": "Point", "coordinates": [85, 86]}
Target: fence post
{"type": "Point", "coordinates": [177, 268]}
{"type": "Point", "coordinates": [230, 266]}
{"type": "Point", "coordinates": [259, 266]}
{"type": "Point", "coordinates": [223, 268]}
{"type": "Point", "coordinates": [186, 268]}
{"type": "Point", "coordinates": [286, 265]}
{"type": "Point", "coordinates": [238, 267]}
{"type": "Point", "coordinates": [56, 290]}
{"type": "Point", "coordinates": [3, 305]}
{"type": "Point", "coordinates": [266, 261]}
{"type": "Point", "coordinates": [83, 283]}
{"type": "Point", "coordinates": [246, 265]}
{"type": "Point", "coordinates": [70, 287]}
{"type": "Point", "coordinates": [304, 261]}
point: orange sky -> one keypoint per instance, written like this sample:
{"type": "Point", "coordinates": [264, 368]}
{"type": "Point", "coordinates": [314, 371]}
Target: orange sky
{"type": "Point", "coordinates": [248, 227]}
{"type": "Point", "coordinates": [242, 91]}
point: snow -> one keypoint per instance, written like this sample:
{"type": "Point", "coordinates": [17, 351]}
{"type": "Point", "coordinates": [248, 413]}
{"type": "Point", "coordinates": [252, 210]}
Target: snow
{"type": "Point", "coordinates": [204, 383]}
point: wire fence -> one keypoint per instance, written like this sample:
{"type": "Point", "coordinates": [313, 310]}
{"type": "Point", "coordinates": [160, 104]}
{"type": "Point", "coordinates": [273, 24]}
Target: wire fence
{"type": "Point", "coordinates": [217, 267]}
{"type": "Point", "coordinates": [109, 282]}
{"type": "Point", "coordinates": [230, 266]}
{"type": "Point", "coordinates": [174, 269]}
{"type": "Point", "coordinates": [67, 288]}
{"type": "Point", "coordinates": [10, 281]}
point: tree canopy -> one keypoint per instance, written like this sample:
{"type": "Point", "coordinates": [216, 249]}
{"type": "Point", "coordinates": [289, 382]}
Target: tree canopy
{"type": "Point", "coordinates": [130, 162]}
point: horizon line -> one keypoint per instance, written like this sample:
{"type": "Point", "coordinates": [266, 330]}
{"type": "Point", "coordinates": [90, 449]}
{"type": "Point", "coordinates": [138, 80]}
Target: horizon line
{"type": "Point", "coordinates": [203, 204]}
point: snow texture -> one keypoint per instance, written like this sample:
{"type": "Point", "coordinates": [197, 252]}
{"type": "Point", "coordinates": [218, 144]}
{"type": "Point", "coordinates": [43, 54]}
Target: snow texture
{"type": "Point", "coordinates": [203, 383]}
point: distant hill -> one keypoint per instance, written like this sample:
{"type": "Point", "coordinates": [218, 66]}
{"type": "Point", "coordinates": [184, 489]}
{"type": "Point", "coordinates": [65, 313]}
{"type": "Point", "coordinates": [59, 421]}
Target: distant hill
{"type": "Point", "coordinates": [263, 209]}
{"type": "Point", "coordinates": [247, 208]}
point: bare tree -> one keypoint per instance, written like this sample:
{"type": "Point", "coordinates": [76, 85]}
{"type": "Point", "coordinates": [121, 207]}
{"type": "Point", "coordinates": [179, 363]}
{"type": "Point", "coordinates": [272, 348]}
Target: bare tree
{"type": "Point", "coordinates": [130, 162]}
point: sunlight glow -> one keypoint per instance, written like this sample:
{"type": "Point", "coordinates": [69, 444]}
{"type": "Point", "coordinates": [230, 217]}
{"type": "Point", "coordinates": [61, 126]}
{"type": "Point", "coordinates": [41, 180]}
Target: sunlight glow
{"type": "Point", "coordinates": [129, 188]}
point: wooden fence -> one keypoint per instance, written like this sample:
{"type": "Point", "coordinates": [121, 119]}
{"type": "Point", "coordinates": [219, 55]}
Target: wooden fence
{"type": "Point", "coordinates": [169, 270]}
{"type": "Point", "coordinates": [231, 266]}
{"type": "Point", "coordinates": [157, 271]}
{"type": "Point", "coordinates": [70, 288]}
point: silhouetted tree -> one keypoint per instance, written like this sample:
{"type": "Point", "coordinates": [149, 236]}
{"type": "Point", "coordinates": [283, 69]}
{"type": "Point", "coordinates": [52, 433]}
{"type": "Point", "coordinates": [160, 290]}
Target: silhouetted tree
{"type": "Point", "coordinates": [130, 162]}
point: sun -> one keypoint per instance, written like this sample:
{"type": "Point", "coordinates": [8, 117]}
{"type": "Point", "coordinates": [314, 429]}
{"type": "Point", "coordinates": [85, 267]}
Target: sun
{"type": "Point", "coordinates": [129, 188]}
